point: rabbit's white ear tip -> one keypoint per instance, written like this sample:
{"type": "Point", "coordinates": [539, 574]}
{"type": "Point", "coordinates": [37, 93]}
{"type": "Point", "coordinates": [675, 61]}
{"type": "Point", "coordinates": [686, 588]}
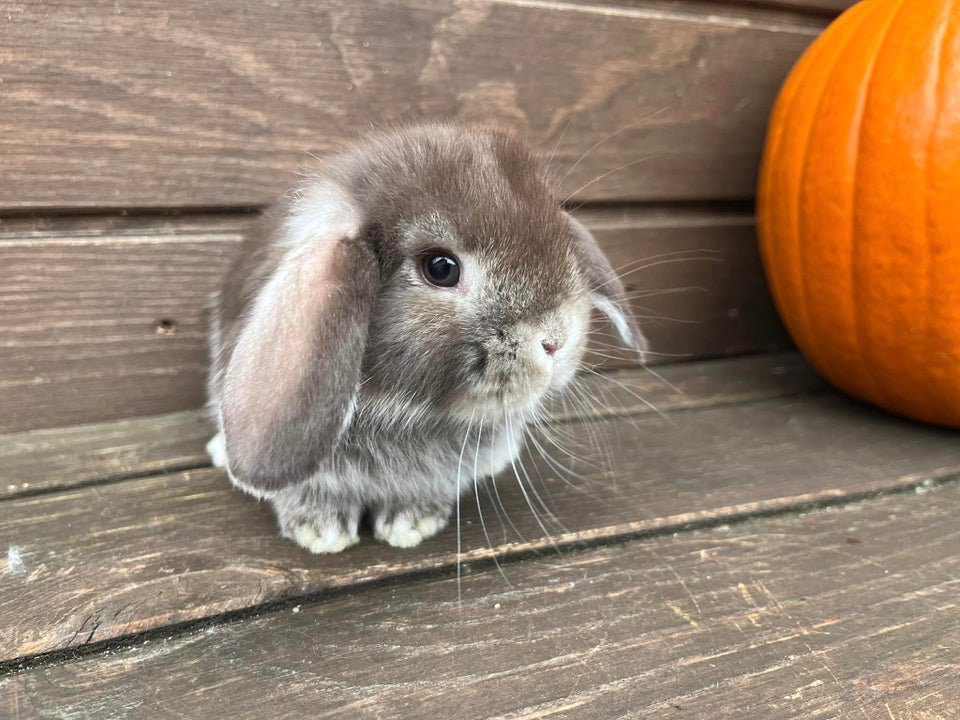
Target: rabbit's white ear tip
{"type": "Point", "coordinates": [628, 332]}
{"type": "Point", "coordinates": [642, 347]}
{"type": "Point", "coordinates": [610, 309]}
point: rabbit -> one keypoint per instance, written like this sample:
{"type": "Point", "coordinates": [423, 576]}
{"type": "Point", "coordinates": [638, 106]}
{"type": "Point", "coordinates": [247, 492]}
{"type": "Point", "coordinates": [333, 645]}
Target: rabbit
{"type": "Point", "coordinates": [388, 331]}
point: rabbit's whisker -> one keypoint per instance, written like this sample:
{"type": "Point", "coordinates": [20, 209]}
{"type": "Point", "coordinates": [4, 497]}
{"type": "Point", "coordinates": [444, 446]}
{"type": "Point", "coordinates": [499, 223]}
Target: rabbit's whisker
{"type": "Point", "coordinates": [523, 490]}
{"type": "Point", "coordinates": [476, 493]}
{"type": "Point", "coordinates": [463, 447]}
{"type": "Point", "coordinates": [610, 136]}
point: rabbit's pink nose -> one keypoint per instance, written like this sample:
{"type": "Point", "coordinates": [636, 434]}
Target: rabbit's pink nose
{"type": "Point", "coordinates": [550, 346]}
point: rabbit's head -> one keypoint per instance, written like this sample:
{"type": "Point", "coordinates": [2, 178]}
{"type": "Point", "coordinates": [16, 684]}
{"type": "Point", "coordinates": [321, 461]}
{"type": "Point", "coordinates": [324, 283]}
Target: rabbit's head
{"type": "Point", "coordinates": [432, 272]}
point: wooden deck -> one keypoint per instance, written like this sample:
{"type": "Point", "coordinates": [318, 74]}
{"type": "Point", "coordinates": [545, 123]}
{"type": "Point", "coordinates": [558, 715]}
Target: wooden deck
{"type": "Point", "coordinates": [765, 548]}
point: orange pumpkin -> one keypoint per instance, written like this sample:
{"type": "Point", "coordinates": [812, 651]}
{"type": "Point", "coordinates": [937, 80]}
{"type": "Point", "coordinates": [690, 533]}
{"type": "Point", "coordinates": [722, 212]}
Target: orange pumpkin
{"type": "Point", "coordinates": [859, 206]}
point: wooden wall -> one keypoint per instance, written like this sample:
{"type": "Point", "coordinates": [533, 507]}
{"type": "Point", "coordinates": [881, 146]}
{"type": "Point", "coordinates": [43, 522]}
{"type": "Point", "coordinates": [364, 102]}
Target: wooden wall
{"type": "Point", "coordinates": [137, 138]}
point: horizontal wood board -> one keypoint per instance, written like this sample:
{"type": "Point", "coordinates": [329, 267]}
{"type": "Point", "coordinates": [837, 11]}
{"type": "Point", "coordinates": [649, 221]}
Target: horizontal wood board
{"type": "Point", "coordinates": [790, 11]}
{"type": "Point", "coordinates": [103, 324]}
{"type": "Point", "coordinates": [56, 459]}
{"type": "Point", "coordinates": [99, 328]}
{"type": "Point", "coordinates": [845, 614]}
{"type": "Point", "coordinates": [45, 460]}
{"type": "Point", "coordinates": [151, 104]}
{"type": "Point", "coordinates": [98, 563]}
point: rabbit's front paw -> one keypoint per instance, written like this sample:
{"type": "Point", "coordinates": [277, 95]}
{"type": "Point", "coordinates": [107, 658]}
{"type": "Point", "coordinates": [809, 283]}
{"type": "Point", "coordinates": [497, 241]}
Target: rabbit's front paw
{"type": "Point", "coordinates": [323, 540]}
{"type": "Point", "coordinates": [408, 528]}
{"type": "Point", "coordinates": [318, 527]}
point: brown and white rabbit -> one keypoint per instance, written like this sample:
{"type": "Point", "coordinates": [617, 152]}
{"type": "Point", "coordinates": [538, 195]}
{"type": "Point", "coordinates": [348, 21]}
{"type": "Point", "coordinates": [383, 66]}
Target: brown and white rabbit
{"type": "Point", "coordinates": [422, 294]}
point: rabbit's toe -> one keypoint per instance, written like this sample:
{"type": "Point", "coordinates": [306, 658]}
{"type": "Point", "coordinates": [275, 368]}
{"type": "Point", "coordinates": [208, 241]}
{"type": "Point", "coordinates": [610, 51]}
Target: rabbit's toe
{"type": "Point", "coordinates": [321, 540]}
{"type": "Point", "coordinates": [406, 530]}
{"type": "Point", "coordinates": [318, 527]}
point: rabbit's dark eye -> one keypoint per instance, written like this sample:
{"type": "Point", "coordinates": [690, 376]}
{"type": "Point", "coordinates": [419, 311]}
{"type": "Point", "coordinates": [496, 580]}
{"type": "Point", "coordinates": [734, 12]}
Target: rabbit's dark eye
{"type": "Point", "coordinates": [440, 269]}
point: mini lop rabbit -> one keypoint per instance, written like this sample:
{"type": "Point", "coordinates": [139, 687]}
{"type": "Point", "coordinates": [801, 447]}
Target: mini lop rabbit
{"type": "Point", "coordinates": [422, 294]}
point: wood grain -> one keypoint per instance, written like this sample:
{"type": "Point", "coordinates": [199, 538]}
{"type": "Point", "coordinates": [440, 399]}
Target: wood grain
{"type": "Point", "coordinates": [49, 460]}
{"type": "Point", "coordinates": [103, 324]}
{"type": "Point", "coordinates": [154, 104]}
{"type": "Point", "coordinates": [102, 562]}
{"type": "Point", "coordinates": [104, 327]}
{"type": "Point", "coordinates": [851, 613]}
{"type": "Point", "coordinates": [57, 459]}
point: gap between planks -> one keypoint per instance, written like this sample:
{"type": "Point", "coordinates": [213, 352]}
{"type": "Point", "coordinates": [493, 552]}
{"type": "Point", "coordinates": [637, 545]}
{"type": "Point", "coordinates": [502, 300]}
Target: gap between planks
{"type": "Point", "coordinates": [53, 224]}
{"type": "Point", "coordinates": [755, 19]}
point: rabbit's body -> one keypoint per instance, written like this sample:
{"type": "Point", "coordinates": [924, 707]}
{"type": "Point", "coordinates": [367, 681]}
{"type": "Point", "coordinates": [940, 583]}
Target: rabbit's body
{"type": "Point", "coordinates": [383, 340]}
{"type": "Point", "coordinates": [407, 476]}
{"type": "Point", "coordinates": [408, 481]}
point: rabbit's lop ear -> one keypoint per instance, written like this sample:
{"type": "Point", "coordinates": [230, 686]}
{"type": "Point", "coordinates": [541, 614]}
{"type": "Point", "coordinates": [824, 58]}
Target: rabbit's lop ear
{"type": "Point", "coordinates": [606, 289]}
{"type": "Point", "coordinates": [290, 386]}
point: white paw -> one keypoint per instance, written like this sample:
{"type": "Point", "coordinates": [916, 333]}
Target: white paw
{"type": "Point", "coordinates": [217, 450]}
{"type": "Point", "coordinates": [403, 532]}
{"type": "Point", "coordinates": [329, 540]}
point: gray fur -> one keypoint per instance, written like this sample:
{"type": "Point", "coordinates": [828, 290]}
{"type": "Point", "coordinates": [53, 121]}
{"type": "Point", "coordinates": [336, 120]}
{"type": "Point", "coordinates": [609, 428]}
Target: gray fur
{"type": "Point", "coordinates": [343, 383]}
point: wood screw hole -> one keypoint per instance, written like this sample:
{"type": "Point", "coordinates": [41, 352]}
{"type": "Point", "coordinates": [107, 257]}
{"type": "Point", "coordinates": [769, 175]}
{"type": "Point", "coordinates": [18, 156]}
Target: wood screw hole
{"type": "Point", "coordinates": [165, 327]}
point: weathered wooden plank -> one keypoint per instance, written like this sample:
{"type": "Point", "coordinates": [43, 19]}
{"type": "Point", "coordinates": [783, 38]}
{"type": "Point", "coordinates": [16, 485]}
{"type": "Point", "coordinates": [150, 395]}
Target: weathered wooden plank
{"type": "Point", "coordinates": [99, 328]}
{"type": "Point", "coordinates": [851, 613]}
{"type": "Point", "coordinates": [102, 562]}
{"type": "Point", "coordinates": [157, 104]}
{"type": "Point", "coordinates": [45, 460]}
{"type": "Point", "coordinates": [109, 325]}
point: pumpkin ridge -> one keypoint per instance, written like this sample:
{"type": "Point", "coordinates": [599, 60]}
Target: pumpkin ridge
{"type": "Point", "coordinates": [813, 348]}
{"type": "Point", "coordinates": [936, 405]}
{"type": "Point", "coordinates": [774, 251]}
{"type": "Point", "coordinates": [934, 401]}
{"type": "Point", "coordinates": [829, 205]}
{"type": "Point", "coordinates": [866, 357]}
